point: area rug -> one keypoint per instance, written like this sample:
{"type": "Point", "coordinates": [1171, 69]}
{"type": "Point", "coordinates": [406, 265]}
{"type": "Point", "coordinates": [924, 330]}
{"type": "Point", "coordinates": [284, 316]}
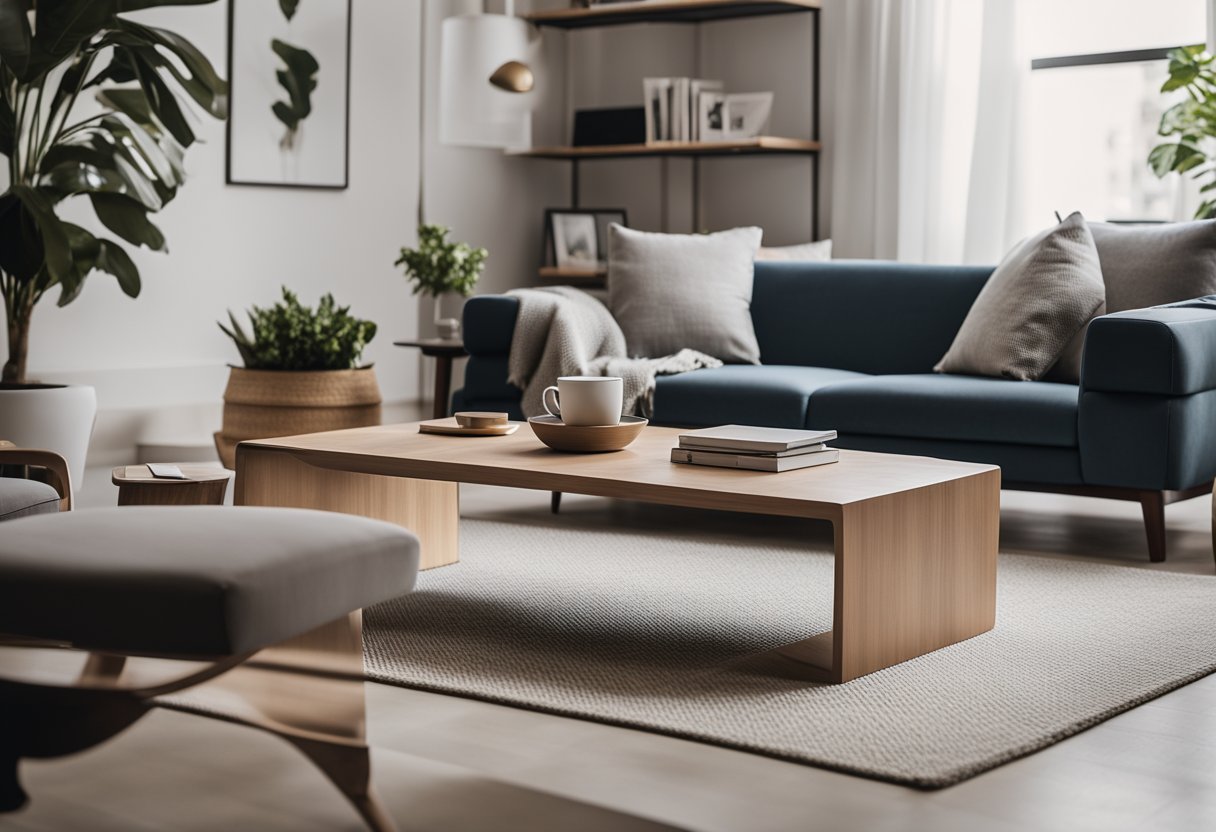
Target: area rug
{"type": "Point", "coordinates": [652, 631]}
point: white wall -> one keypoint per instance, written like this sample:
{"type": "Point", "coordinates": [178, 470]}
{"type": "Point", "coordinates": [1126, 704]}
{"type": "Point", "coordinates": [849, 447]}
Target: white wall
{"type": "Point", "coordinates": [232, 246]}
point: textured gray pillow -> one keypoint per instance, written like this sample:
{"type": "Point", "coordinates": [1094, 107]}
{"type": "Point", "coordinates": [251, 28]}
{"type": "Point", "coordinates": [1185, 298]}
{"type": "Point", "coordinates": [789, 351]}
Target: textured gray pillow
{"type": "Point", "coordinates": [672, 291]}
{"type": "Point", "coordinates": [1147, 265]}
{"type": "Point", "coordinates": [1036, 301]}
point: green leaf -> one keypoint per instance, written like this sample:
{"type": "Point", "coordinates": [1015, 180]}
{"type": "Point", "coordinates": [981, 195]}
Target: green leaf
{"type": "Point", "coordinates": [1165, 158]}
{"type": "Point", "coordinates": [21, 251]}
{"type": "Point", "coordinates": [1181, 74]}
{"type": "Point", "coordinates": [61, 26]}
{"type": "Point", "coordinates": [288, 8]}
{"type": "Point", "coordinates": [15, 37]}
{"type": "Point", "coordinates": [56, 253]}
{"type": "Point", "coordinates": [114, 260]}
{"type": "Point", "coordinates": [299, 79]}
{"type": "Point", "coordinates": [128, 219]}
{"type": "Point", "coordinates": [163, 103]}
{"type": "Point", "coordinates": [8, 127]}
{"type": "Point", "coordinates": [203, 84]}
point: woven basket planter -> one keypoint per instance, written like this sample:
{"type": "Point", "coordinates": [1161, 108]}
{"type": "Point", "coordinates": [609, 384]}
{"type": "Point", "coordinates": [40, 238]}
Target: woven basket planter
{"type": "Point", "coordinates": [260, 404]}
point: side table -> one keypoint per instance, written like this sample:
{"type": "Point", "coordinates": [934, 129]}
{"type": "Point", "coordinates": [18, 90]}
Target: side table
{"type": "Point", "coordinates": [206, 485]}
{"type": "Point", "coordinates": [443, 350]}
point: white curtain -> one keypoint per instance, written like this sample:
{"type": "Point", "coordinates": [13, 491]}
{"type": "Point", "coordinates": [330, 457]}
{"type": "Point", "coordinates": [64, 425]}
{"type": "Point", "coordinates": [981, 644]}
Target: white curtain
{"type": "Point", "coordinates": [923, 128]}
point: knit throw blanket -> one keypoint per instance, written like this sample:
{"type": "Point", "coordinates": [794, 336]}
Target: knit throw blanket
{"type": "Point", "coordinates": [561, 331]}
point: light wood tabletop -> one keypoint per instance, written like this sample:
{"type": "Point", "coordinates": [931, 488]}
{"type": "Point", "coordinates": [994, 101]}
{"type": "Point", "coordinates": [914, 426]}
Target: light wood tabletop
{"type": "Point", "coordinates": [915, 537]}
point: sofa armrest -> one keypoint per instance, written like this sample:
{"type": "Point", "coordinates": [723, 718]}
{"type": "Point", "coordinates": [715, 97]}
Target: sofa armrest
{"type": "Point", "coordinates": [1163, 351]}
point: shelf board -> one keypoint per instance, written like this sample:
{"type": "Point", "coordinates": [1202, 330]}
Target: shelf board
{"type": "Point", "coordinates": [585, 278]}
{"type": "Point", "coordinates": [666, 11]}
{"type": "Point", "coordinates": [742, 147]}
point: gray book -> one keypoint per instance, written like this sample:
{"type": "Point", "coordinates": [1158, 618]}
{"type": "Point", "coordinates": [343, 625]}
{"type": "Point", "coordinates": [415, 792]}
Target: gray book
{"type": "Point", "coordinates": [752, 462]}
{"type": "Point", "coordinates": [751, 439]}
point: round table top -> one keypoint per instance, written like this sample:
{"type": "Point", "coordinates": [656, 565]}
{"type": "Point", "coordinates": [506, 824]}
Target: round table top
{"type": "Point", "coordinates": [436, 346]}
{"type": "Point", "coordinates": [194, 471]}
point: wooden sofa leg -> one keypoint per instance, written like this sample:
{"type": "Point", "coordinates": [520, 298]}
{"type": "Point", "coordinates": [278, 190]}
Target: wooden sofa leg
{"type": "Point", "coordinates": [555, 502]}
{"type": "Point", "coordinates": [1152, 503]}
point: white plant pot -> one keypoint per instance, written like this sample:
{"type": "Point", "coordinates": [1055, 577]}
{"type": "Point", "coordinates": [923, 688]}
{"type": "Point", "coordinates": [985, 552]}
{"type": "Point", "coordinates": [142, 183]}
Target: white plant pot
{"type": "Point", "coordinates": [52, 417]}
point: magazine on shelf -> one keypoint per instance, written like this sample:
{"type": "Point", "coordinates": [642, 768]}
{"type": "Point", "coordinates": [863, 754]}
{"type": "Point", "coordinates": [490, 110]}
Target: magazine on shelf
{"type": "Point", "coordinates": [754, 462]}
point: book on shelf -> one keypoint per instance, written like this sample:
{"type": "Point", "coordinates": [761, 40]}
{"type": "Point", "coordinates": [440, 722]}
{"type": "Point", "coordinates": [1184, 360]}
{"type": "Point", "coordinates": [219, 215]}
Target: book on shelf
{"type": "Point", "coordinates": [672, 107]}
{"type": "Point", "coordinates": [750, 439]}
{"type": "Point", "coordinates": [755, 462]}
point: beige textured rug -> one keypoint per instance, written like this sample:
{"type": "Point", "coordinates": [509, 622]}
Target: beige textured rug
{"type": "Point", "coordinates": [648, 630]}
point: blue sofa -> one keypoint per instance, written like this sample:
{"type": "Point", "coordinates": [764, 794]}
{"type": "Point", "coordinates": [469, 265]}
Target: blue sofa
{"type": "Point", "coordinates": [851, 345]}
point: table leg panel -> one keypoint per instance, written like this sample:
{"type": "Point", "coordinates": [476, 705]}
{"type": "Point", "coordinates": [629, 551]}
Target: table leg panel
{"type": "Point", "coordinates": [915, 571]}
{"type": "Point", "coordinates": [428, 508]}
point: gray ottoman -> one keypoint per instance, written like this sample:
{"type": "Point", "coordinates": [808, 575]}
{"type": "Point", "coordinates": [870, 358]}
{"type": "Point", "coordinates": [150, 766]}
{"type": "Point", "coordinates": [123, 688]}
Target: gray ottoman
{"type": "Point", "coordinates": [264, 602]}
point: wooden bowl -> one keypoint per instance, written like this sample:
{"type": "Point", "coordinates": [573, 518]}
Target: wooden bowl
{"type": "Point", "coordinates": [590, 439]}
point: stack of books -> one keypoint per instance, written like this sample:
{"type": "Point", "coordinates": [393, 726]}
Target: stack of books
{"type": "Point", "coordinates": [756, 449]}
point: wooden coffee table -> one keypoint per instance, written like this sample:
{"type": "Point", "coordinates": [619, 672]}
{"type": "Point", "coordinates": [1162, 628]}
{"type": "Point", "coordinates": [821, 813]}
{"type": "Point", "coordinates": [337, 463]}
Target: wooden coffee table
{"type": "Point", "coordinates": [915, 538]}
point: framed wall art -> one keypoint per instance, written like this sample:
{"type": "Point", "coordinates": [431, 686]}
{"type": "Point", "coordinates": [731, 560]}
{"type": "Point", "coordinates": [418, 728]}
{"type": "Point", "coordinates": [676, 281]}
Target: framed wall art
{"type": "Point", "coordinates": [289, 108]}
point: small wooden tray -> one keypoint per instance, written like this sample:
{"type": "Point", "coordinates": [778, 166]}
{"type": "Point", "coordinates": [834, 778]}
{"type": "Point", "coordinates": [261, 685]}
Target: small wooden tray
{"type": "Point", "coordinates": [448, 427]}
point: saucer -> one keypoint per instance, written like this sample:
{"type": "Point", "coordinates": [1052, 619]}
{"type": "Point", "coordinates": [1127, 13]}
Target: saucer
{"type": "Point", "coordinates": [586, 439]}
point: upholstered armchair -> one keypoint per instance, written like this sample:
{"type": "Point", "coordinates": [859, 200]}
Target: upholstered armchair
{"type": "Point", "coordinates": [22, 496]}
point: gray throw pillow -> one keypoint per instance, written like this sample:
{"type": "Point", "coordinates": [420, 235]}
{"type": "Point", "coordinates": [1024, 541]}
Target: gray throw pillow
{"type": "Point", "coordinates": [1146, 265]}
{"type": "Point", "coordinates": [674, 291]}
{"type": "Point", "coordinates": [1036, 301]}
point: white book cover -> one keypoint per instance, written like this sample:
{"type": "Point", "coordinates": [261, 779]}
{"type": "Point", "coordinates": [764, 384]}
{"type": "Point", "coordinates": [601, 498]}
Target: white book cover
{"type": "Point", "coordinates": [771, 464]}
{"type": "Point", "coordinates": [752, 438]}
{"type": "Point", "coordinates": [695, 88]}
{"type": "Point", "coordinates": [655, 96]}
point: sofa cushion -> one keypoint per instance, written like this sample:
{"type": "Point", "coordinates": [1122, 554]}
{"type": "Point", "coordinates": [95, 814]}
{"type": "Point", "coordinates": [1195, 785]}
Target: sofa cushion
{"type": "Point", "coordinates": [768, 395]}
{"type": "Point", "coordinates": [21, 498]}
{"type": "Point", "coordinates": [1148, 265]}
{"type": "Point", "coordinates": [868, 316]}
{"type": "Point", "coordinates": [671, 291]}
{"type": "Point", "coordinates": [1040, 296]}
{"type": "Point", "coordinates": [964, 408]}
{"type": "Point", "coordinates": [196, 580]}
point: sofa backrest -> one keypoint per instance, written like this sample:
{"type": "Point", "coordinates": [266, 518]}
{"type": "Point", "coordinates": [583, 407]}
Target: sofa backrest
{"type": "Point", "coordinates": [869, 316]}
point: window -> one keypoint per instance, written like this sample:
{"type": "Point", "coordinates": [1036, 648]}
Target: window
{"type": "Point", "coordinates": [1092, 107]}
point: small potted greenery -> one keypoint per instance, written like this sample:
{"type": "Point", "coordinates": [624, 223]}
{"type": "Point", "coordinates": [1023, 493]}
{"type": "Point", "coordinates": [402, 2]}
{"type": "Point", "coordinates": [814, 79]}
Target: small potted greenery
{"type": "Point", "coordinates": [438, 267]}
{"type": "Point", "coordinates": [301, 374]}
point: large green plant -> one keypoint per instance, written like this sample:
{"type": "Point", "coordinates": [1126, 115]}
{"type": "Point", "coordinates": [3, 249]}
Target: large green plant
{"type": "Point", "coordinates": [125, 155]}
{"type": "Point", "coordinates": [291, 336]}
{"type": "Point", "coordinates": [437, 266]}
{"type": "Point", "coordinates": [1191, 122]}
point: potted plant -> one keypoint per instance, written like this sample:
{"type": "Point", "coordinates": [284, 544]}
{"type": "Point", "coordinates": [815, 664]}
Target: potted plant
{"type": "Point", "coordinates": [438, 267]}
{"type": "Point", "coordinates": [124, 153]}
{"type": "Point", "coordinates": [301, 374]}
{"type": "Point", "coordinates": [1191, 123]}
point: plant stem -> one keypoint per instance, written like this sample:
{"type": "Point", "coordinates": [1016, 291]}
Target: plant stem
{"type": "Point", "coordinates": [19, 302]}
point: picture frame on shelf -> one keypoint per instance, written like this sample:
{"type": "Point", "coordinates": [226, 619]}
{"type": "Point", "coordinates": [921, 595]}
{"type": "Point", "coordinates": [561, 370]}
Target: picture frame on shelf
{"type": "Point", "coordinates": [711, 109]}
{"type": "Point", "coordinates": [747, 114]}
{"type": "Point", "coordinates": [289, 95]}
{"type": "Point", "coordinates": [577, 238]}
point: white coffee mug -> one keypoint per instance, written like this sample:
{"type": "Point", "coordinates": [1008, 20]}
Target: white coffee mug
{"type": "Point", "coordinates": [586, 400]}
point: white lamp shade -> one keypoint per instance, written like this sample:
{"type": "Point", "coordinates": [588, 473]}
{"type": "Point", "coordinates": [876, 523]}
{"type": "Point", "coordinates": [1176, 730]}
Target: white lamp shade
{"type": "Point", "coordinates": [471, 110]}
{"type": "Point", "coordinates": [1211, 45]}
